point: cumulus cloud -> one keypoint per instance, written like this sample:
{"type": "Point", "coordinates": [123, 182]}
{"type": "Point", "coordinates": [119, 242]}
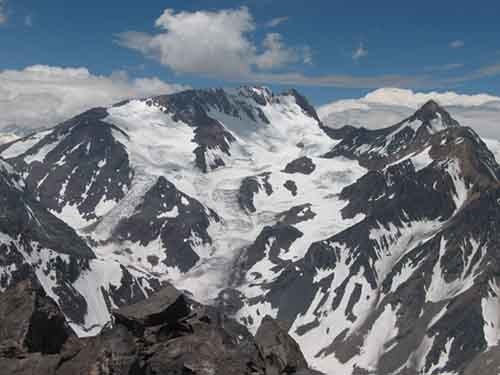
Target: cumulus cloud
{"type": "Point", "coordinates": [359, 52]}
{"type": "Point", "coordinates": [40, 96]}
{"type": "Point", "coordinates": [457, 44]}
{"type": "Point", "coordinates": [276, 21]}
{"type": "Point", "coordinates": [214, 43]}
{"type": "Point", "coordinates": [3, 13]}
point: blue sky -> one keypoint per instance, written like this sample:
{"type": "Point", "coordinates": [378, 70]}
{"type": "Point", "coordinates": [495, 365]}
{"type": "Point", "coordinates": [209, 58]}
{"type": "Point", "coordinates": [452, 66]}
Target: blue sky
{"type": "Point", "coordinates": [328, 49]}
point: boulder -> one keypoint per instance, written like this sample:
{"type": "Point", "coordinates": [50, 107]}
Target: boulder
{"type": "Point", "coordinates": [166, 306]}
{"type": "Point", "coordinates": [30, 321]}
{"type": "Point", "coordinates": [281, 353]}
{"type": "Point", "coordinates": [32, 364]}
{"type": "Point", "coordinates": [112, 352]}
{"type": "Point", "coordinates": [165, 334]}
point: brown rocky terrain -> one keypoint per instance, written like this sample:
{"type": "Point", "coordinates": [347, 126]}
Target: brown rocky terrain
{"type": "Point", "coordinates": [165, 334]}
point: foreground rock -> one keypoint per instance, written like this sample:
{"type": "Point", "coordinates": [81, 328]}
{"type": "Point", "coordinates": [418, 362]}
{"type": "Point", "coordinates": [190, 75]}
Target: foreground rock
{"type": "Point", "coordinates": [281, 353]}
{"type": "Point", "coordinates": [166, 334]}
{"type": "Point", "coordinates": [30, 322]}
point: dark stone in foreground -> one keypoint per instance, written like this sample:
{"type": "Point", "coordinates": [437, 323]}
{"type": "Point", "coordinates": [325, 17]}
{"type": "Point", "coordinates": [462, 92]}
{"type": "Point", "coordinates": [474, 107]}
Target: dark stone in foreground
{"type": "Point", "coordinates": [281, 353]}
{"type": "Point", "coordinates": [30, 322]}
{"type": "Point", "coordinates": [165, 334]}
{"type": "Point", "coordinates": [166, 306]}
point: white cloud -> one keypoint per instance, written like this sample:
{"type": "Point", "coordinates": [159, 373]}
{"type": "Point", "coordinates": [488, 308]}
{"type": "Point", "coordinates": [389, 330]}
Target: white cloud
{"type": "Point", "coordinates": [277, 55]}
{"type": "Point", "coordinates": [388, 106]}
{"type": "Point", "coordinates": [221, 44]}
{"type": "Point", "coordinates": [40, 96]}
{"type": "Point", "coordinates": [277, 21]}
{"type": "Point", "coordinates": [457, 44]}
{"type": "Point", "coordinates": [407, 98]}
{"type": "Point", "coordinates": [360, 52]}
{"type": "Point", "coordinates": [214, 43]}
{"type": "Point", "coordinates": [3, 13]}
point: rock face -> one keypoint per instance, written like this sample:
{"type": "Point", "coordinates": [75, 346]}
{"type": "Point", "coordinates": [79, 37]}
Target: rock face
{"type": "Point", "coordinates": [302, 165]}
{"type": "Point", "coordinates": [249, 187]}
{"type": "Point", "coordinates": [53, 164]}
{"type": "Point", "coordinates": [281, 353]}
{"type": "Point", "coordinates": [31, 322]}
{"type": "Point", "coordinates": [167, 306]}
{"type": "Point", "coordinates": [36, 245]}
{"type": "Point", "coordinates": [167, 334]}
{"type": "Point", "coordinates": [171, 216]}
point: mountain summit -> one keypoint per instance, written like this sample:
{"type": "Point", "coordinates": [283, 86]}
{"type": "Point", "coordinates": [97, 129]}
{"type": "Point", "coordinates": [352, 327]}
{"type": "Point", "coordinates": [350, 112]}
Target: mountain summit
{"type": "Point", "coordinates": [433, 115]}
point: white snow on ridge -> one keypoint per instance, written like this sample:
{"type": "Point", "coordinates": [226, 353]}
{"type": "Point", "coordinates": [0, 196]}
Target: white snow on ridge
{"type": "Point", "coordinates": [8, 137]}
{"type": "Point", "coordinates": [23, 145]}
{"type": "Point", "coordinates": [159, 146]}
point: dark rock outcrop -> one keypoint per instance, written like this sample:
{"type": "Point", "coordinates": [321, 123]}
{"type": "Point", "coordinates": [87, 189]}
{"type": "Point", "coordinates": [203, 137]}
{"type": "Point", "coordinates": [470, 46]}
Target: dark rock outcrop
{"type": "Point", "coordinates": [30, 322]}
{"type": "Point", "coordinates": [167, 306]}
{"type": "Point", "coordinates": [296, 214]}
{"type": "Point", "coordinates": [166, 334]}
{"type": "Point", "coordinates": [281, 353]}
{"type": "Point", "coordinates": [173, 217]}
{"type": "Point", "coordinates": [291, 186]}
{"type": "Point", "coordinates": [302, 165]}
{"type": "Point", "coordinates": [249, 187]}
{"type": "Point", "coordinates": [84, 165]}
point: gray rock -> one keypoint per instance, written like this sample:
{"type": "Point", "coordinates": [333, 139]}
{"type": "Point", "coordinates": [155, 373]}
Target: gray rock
{"type": "Point", "coordinates": [166, 306]}
{"type": "Point", "coordinates": [281, 353]}
{"type": "Point", "coordinates": [302, 165]}
{"type": "Point", "coordinates": [30, 322]}
{"type": "Point", "coordinates": [33, 364]}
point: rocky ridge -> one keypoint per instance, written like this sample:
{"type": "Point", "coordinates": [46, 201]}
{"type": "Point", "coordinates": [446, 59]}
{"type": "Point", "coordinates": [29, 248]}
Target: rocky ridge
{"type": "Point", "coordinates": [168, 333]}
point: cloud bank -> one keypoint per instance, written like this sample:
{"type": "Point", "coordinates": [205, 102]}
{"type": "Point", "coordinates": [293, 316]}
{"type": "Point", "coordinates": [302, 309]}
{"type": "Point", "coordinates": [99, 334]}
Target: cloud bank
{"type": "Point", "coordinates": [388, 106]}
{"type": "Point", "coordinates": [40, 96]}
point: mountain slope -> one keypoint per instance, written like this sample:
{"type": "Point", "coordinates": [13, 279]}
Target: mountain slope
{"type": "Point", "coordinates": [376, 248]}
{"type": "Point", "coordinates": [37, 245]}
{"type": "Point", "coordinates": [154, 184]}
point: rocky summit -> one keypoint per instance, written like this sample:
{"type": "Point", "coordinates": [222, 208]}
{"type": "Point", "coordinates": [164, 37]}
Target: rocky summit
{"type": "Point", "coordinates": [341, 250]}
{"type": "Point", "coordinates": [165, 334]}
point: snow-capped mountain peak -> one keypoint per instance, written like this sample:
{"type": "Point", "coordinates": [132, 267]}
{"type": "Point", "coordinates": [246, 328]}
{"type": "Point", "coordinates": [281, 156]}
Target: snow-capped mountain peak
{"type": "Point", "coordinates": [435, 117]}
{"type": "Point", "coordinates": [389, 105]}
